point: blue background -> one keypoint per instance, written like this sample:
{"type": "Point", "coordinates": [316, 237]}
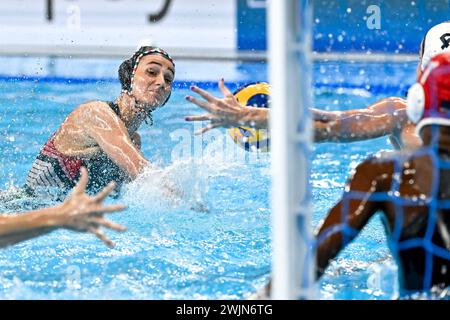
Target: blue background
{"type": "Point", "coordinates": [338, 29]}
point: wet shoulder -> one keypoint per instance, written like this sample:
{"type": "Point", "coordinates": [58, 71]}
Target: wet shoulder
{"type": "Point", "coordinates": [398, 158]}
{"type": "Point", "coordinates": [94, 105]}
{"type": "Point", "coordinates": [378, 166]}
{"type": "Point", "coordinates": [391, 104]}
{"type": "Point", "coordinates": [92, 110]}
{"type": "Point", "coordinates": [385, 166]}
{"type": "Point", "coordinates": [82, 115]}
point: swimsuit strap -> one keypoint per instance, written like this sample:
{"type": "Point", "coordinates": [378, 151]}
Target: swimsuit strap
{"type": "Point", "coordinates": [114, 106]}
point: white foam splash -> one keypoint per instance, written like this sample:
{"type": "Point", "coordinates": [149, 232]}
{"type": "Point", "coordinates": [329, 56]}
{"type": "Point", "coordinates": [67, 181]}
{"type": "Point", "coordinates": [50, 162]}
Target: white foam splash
{"type": "Point", "coordinates": [181, 185]}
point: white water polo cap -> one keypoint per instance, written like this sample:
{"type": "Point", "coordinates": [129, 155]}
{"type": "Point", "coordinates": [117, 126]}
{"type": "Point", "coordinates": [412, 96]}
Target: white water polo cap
{"type": "Point", "coordinates": [437, 40]}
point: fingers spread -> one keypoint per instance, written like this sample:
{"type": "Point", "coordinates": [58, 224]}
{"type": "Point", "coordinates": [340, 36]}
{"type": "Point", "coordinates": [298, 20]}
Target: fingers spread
{"type": "Point", "coordinates": [223, 88]}
{"type": "Point", "coordinates": [216, 125]}
{"type": "Point", "coordinates": [107, 224]}
{"type": "Point", "coordinates": [201, 131]}
{"type": "Point", "coordinates": [199, 118]}
{"type": "Point", "coordinates": [209, 127]}
{"type": "Point", "coordinates": [202, 104]}
{"type": "Point", "coordinates": [102, 236]}
{"type": "Point", "coordinates": [82, 183]}
{"type": "Point", "coordinates": [111, 208]}
{"type": "Point", "coordinates": [104, 193]}
{"type": "Point", "coordinates": [205, 94]}
{"type": "Point", "coordinates": [229, 105]}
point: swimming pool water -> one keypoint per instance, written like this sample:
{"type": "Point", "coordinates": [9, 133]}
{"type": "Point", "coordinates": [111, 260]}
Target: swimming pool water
{"type": "Point", "coordinates": [171, 251]}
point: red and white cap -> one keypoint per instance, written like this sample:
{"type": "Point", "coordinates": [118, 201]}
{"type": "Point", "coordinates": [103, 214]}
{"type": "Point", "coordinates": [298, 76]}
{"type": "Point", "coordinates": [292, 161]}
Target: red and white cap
{"type": "Point", "coordinates": [437, 40]}
{"type": "Point", "coordinates": [429, 99]}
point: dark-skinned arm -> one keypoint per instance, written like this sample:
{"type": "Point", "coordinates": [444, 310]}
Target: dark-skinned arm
{"type": "Point", "coordinates": [347, 218]}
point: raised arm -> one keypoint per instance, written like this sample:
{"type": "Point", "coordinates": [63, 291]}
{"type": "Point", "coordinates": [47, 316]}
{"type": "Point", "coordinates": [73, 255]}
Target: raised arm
{"type": "Point", "coordinates": [112, 136]}
{"type": "Point", "coordinates": [226, 112]}
{"type": "Point", "coordinates": [385, 117]}
{"type": "Point", "coordinates": [78, 212]}
{"type": "Point", "coordinates": [346, 219]}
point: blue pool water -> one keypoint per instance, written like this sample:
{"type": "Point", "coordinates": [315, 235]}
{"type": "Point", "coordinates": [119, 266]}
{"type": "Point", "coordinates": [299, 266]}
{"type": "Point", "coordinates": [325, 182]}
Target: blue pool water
{"type": "Point", "coordinates": [170, 250]}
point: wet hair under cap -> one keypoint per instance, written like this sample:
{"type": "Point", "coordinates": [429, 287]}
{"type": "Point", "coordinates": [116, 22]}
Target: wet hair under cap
{"type": "Point", "coordinates": [128, 67]}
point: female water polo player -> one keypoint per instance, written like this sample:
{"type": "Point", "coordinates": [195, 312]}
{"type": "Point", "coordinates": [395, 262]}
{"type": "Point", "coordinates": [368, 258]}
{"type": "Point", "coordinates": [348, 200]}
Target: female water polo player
{"type": "Point", "coordinates": [102, 136]}
{"type": "Point", "coordinates": [385, 117]}
{"type": "Point", "coordinates": [78, 212]}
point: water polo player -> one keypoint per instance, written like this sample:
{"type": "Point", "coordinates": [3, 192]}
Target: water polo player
{"type": "Point", "coordinates": [102, 136]}
{"type": "Point", "coordinates": [410, 188]}
{"type": "Point", "coordinates": [385, 117]}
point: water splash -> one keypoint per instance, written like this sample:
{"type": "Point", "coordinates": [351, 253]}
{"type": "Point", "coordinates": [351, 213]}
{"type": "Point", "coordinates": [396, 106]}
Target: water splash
{"type": "Point", "coordinates": [181, 185]}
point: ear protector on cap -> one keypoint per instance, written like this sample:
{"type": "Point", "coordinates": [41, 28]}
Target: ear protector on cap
{"type": "Point", "coordinates": [428, 101]}
{"type": "Point", "coordinates": [415, 102]}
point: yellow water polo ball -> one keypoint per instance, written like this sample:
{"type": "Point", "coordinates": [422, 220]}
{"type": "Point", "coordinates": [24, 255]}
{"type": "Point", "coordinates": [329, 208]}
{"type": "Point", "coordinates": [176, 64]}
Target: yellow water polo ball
{"type": "Point", "coordinates": [255, 95]}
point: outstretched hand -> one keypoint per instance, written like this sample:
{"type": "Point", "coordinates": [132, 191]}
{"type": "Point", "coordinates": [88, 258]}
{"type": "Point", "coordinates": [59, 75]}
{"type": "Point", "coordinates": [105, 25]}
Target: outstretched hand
{"type": "Point", "coordinates": [222, 112]}
{"type": "Point", "coordinates": [84, 213]}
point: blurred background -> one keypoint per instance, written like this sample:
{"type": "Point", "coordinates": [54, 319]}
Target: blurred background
{"type": "Point", "coordinates": [206, 30]}
{"type": "Point", "coordinates": [212, 28]}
